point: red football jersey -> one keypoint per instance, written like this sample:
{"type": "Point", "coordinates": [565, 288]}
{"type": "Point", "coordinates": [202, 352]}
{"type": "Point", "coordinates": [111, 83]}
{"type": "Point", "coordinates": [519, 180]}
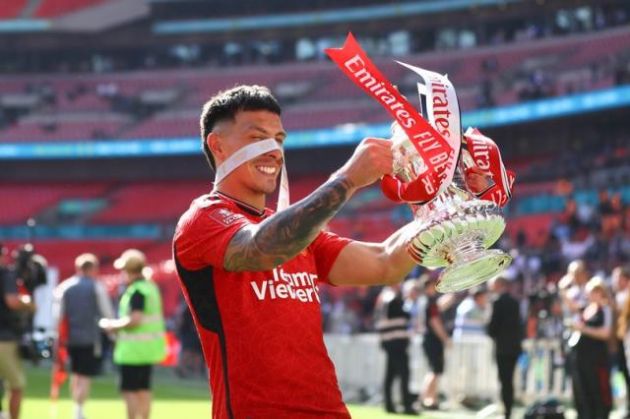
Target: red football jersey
{"type": "Point", "coordinates": [261, 332]}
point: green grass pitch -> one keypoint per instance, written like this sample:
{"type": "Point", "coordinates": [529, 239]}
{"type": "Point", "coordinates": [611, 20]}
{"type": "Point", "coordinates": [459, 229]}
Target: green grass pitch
{"type": "Point", "coordinates": [172, 398]}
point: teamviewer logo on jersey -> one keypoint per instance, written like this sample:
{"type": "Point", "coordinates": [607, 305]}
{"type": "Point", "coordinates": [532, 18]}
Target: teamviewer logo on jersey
{"type": "Point", "coordinates": [301, 286]}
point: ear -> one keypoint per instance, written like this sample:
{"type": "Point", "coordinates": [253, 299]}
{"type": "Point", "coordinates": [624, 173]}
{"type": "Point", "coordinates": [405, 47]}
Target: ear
{"type": "Point", "coordinates": [215, 145]}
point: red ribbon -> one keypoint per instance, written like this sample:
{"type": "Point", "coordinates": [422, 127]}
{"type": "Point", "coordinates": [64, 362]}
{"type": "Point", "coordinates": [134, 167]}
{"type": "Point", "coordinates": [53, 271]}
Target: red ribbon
{"type": "Point", "coordinates": [487, 158]}
{"type": "Point", "coordinates": [437, 153]}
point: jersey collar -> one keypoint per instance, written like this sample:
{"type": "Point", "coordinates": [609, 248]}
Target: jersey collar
{"type": "Point", "coordinates": [242, 205]}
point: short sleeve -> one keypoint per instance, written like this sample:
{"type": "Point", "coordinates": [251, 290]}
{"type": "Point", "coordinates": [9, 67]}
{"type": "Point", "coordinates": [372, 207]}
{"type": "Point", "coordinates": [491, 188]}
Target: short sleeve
{"type": "Point", "coordinates": [137, 301]}
{"type": "Point", "coordinates": [326, 247]}
{"type": "Point", "coordinates": [203, 234]}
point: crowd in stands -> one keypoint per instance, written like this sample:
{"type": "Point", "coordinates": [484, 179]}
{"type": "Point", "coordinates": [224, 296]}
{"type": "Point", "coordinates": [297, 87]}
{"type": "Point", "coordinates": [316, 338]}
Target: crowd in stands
{"type": "Point", "coordinates": [383, 41]}
{"type": "Point", "coordinates": [524, 61]}
{"type": "Point", "coordinates": [165, 103]}
{"type": "Point", "coordinates": [46, 9]}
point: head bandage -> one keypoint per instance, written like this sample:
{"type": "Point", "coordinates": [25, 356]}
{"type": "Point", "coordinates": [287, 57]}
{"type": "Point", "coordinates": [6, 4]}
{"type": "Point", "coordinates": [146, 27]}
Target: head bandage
{"type": "Point", "coordinates": [249, 152]}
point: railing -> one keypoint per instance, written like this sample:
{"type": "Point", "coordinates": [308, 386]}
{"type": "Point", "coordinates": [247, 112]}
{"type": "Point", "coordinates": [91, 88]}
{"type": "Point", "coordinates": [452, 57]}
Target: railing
{"type": "Point", "coordinates": [470, 368]}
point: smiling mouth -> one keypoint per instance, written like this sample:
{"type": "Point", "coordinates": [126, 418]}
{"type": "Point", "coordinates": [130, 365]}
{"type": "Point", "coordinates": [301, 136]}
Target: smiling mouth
{"type": "Point", "coordinates": [268, 170]}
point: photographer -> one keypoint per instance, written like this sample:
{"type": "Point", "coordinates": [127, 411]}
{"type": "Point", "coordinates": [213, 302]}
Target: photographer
{"type": "Point", "coordinates": [11, 305]}
{"type": "Point", "coordinates": [30, 272]}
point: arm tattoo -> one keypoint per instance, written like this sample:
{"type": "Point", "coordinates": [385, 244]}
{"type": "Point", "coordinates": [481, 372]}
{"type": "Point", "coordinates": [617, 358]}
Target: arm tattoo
{"type": "Point", "coordinates": [283, 235]}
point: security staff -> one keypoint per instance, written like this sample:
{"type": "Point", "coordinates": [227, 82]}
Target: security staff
{"type": "Point", "coordinates": [141, 340]}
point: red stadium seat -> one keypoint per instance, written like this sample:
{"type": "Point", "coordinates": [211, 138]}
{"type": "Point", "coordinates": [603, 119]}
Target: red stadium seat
{"type": "Point", "coordinates": [11, 9]}
{"type": "Point", "coordinates": [56, 8]}
{"type": "Point", "coordinates": [326, 99]}
{"type": "Point", "coordinates": [147, 202]}
{"type": "Point", "coordinates": [27, 200]}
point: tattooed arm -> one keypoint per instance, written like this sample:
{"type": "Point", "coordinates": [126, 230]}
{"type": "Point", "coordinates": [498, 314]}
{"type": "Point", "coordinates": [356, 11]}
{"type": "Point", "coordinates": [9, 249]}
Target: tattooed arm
{"type": "Point", "coordinates": [282, 236]}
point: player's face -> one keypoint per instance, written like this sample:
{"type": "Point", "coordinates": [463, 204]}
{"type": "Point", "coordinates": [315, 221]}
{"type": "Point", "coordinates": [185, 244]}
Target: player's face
{"type": "Point", "coordinates": [259, 175]}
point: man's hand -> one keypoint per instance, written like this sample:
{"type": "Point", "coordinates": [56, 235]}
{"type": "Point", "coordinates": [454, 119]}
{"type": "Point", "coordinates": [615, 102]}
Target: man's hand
{"type": "Point", "coordinates": [370, 161]}
{"type": "Point", "coordinates": [28, 304]}
{"type": "Point", "coordinates": [20, 303]}
{"type": "Point", "coordinates": [106, 324]}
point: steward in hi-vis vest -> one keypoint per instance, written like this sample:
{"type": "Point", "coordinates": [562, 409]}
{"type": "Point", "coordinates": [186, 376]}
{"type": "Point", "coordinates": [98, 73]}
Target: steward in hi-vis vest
{"type": "Point", "coordinates": [141, 341]}
{"type": "Point", "coordinates": [143, 344]}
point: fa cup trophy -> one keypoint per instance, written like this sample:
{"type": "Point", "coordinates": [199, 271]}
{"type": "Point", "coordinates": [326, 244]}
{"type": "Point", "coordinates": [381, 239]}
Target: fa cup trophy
{"type": "Point", "coordinates": [455, 229]}
{"type": "Point", "coordinates": [455, 182]}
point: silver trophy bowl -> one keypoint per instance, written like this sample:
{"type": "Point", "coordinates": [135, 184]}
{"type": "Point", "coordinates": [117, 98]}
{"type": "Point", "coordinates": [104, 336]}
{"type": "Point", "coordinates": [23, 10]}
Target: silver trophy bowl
{"type": "Point", "coordinates": [455, 230]}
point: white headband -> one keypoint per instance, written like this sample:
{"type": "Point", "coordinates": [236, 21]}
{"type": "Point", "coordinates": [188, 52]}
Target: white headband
{"type": "Point", "coordinates": [249, 152]}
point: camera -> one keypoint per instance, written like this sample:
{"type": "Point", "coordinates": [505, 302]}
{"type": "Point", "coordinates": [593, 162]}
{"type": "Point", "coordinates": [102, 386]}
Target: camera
{"type": "Point", "coordinates": [35, 346]}
{"type": "Point", "coordinates": [30, 268]}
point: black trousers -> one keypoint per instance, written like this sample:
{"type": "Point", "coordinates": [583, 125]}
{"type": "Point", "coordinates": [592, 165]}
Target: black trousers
{"type": "Point", "coordinates": [506, 363]}
{"type": "Point", "coordinates": [590, 377]}
{"type": "Point", "coordinates": [397, 366]}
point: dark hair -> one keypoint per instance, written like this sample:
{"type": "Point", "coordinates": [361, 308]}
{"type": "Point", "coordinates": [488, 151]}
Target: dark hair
{"type": "Point", "coordinates": [226, 104]}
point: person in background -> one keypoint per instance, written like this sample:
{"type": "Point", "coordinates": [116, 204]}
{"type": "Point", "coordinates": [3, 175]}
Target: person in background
{"type": "Point", "coordinates": [412, 291]}
{"type": "Point", "coordinates": [473, 314]}
{"type": "Point", "coordinates": [434, 342]}
{"type": "Point", "coordinates": [471, 320]}
{"type": "Point", "coordinates": [190, 361]}
{"type": "Point", "coordinates": [620, 280]}
{"type": "Point", "coordinates": [393, 328]}
{"type": "Point", "coordinates": [12, 303]}
{"type": "Point", "coordinates": [589, 355]}
{"type": "Point", "coordinates": [81, 301]}
{"type": "Point", "coordinates": [140, 329]}
{"type": "Point", "coordinates": [572, 288]}
{"type": "Point", "coordinates": [506, 330]}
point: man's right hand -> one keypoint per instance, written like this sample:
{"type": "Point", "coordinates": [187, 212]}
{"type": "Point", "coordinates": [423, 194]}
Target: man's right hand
{"type": "Point", "coordinates": [19, 302]}
{"type": "Point", "coordinates": [370, 161]}
{"type": "Point", "coordinates": [27, 304]}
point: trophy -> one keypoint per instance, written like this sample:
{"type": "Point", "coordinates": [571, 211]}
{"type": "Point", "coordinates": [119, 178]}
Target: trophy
{"type": "Point", "coordinates": [455, 229]}
{"type": "Point", "coordinates": [455, 182]}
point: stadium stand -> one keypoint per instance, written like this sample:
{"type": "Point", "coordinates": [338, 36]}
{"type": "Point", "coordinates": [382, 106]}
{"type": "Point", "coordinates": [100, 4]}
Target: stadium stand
{"type": "Point", "coordinates": [56, 8]}
{"type": "Point", "coordinates": [29, 200]}
{"type": "Point", "coordinates": [12, 9]}
{"type": "Point", "coordinates": [166, 103]}
{"type": "Point", "coordinates": [163, 201]}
